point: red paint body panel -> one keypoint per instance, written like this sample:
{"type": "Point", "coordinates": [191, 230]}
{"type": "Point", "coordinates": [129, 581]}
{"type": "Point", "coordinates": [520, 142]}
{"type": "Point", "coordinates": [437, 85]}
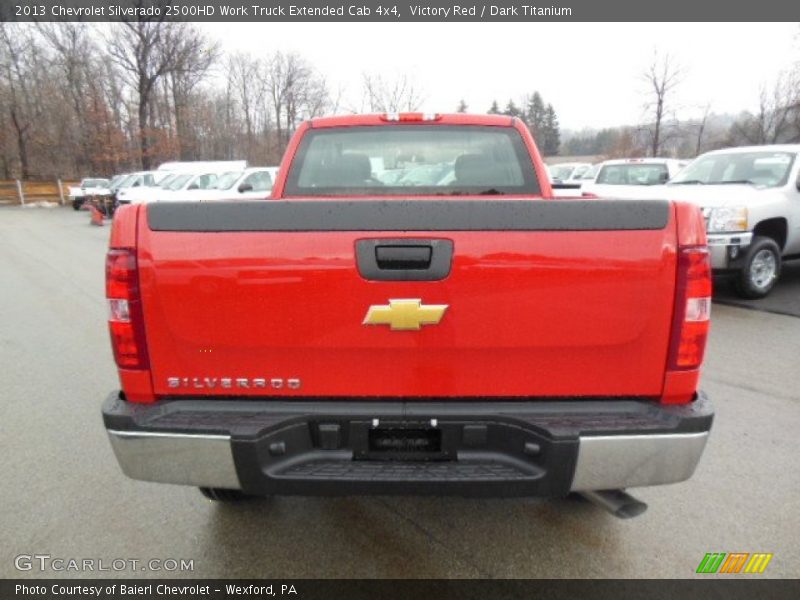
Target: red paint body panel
{"type": "Point", "coordinates": [531, 314]}
{"type": "Point", "coordinates": [691, 228]}
{"type": "Point", "coordinates": [123, 230]}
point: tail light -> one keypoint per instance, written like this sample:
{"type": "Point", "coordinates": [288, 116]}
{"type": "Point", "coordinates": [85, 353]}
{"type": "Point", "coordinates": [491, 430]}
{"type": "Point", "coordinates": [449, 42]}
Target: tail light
{"type": "Point", "coordinates": [692, 309]}
{"type": "Point", "coordinates": [125, 320]}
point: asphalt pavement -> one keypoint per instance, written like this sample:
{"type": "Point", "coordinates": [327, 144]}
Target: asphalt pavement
{"type": "Point", "coordinates": [783, 300]}
{"type": "Point", "coordinates": [63, 494]}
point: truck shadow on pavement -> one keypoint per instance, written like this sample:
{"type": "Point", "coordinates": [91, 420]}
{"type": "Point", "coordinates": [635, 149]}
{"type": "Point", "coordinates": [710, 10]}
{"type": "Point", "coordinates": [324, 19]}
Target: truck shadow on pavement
{"type": "Point", "coordinates": [784, 299]}
{"type": "Point", "coordinates": [409, 537]}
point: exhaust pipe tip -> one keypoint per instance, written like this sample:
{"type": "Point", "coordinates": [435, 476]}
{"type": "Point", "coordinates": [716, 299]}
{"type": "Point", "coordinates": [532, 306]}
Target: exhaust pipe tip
{"type": "Point", "coordinates": [617, 502]}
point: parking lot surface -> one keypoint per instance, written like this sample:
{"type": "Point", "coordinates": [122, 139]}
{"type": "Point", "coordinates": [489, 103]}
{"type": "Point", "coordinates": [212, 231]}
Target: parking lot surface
{"type": "Point", "coordinates": [64, 495]}
{"type": "Point", "coordinates": [784, 299]}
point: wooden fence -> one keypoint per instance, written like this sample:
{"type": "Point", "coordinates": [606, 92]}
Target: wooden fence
{"type": "Point", "coordinates": [15, 191]}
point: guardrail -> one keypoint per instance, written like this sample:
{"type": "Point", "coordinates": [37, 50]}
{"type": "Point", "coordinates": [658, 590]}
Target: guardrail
{"type": "Point", "coordinates": [16, 191]}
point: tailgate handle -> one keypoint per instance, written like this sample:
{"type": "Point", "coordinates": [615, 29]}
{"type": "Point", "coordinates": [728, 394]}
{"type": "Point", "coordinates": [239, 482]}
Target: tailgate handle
{"type": "Point", "coordinates": [404, 259]}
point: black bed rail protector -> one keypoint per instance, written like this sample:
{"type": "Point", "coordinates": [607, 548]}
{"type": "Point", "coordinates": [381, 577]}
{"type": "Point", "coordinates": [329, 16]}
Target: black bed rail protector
{"type": "Point", "coordinates": [409, 215]}
{"type": "Point", "coordinates": [561, 419]}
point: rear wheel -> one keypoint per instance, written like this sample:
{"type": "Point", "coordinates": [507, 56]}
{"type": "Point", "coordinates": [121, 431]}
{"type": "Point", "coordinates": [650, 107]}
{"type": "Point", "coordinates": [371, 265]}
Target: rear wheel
{"type": "Point", "coordinates": [224, 495]}
{"type": "Point", "coordinates": [760, 269]}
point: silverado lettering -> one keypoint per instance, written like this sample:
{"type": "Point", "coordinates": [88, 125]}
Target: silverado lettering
{"type": "Point", "coordinates": [456, 329]}
{"type": "Point", "coordinates": [230, 382]}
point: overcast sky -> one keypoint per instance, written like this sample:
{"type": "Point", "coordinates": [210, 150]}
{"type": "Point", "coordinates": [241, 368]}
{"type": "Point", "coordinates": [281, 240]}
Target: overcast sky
{"type": "Point", "coordinates": [590, 72]}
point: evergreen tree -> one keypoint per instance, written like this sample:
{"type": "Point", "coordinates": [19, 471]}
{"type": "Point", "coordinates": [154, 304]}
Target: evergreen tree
{"type": "Point", "coordinates": [535, 115]}
{"type": "Point", "coordinates": [512, 110]}
{"type": "Point", "coordinates": [550, 132]}
{"type": "Point", "coordinates": [494, 109]}
{"type": "Point", "coordinates": [462, 106]}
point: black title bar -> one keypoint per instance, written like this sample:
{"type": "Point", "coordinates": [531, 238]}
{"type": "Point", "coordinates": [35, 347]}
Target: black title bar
{"type": "Point", "coordinates": [397, 10]}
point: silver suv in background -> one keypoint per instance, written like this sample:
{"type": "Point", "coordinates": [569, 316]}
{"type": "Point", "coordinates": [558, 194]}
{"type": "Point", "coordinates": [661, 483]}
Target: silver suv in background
{"type": "Point", "coordinates": [750, 198]}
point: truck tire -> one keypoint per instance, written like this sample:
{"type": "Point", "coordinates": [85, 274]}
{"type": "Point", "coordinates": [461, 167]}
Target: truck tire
{"type": "Point", "coordinates": [761, 268]}
{"type": "Point", "coordinates": [76, 204]}
{"type": "Point", "coordinates": [223, 495]}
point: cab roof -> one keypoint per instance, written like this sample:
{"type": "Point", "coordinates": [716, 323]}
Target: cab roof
{"type": "Point", "coordinates": [405, 118]}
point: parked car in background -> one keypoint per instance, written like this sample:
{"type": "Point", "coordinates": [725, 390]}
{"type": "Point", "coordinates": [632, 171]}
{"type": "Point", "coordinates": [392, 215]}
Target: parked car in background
{"type": "Point", "coordinates": [116, 181]}
{"type": "Point", "coordinates": [146, 191]}
{"type": "Point", "coordinates": [571, 187]}
{"type": "Point", "coordinates": [750, 199]}
{"type": "Point", "coordinates": [629, 178]}
{"type": "Point", "coordinates": [178, 186]}
{"type": "Point", "coordinates": [172, 182]}
{"type": "Point", "coordinates": [567, 172]}
{"type": "Point", "coordinates": [253, 183]}
{"type": "Point", "coordinates": [184, 175]}
{"type": "Point", "coordinates": [91, 186]}
{"type": "Point", "coordinates": [589, 174]}
{"type": "Point", "coordinates": [135, 181]}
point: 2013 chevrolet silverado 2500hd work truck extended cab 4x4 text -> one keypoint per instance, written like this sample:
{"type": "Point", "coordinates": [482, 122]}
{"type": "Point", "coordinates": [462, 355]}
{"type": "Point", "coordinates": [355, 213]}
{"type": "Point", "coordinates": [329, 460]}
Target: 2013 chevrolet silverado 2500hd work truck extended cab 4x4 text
{"type": "Point", "coordinates": [410, 313]}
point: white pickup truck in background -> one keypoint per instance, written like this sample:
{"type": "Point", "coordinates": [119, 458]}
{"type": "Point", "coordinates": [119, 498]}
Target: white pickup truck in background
{"type": "Point", "coordinates": [629, 178]}
{"type": "Point", "coordinates": [135, 182]}
{"type": "Point", "coordinates": [254, 183]}
{"type": "Point", "coordinates": [750, 198]}
{"type": "Point", "coordinates": [91, 186]}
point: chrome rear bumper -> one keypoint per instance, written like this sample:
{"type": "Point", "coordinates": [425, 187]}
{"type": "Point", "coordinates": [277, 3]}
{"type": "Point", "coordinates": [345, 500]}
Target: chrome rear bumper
{"type": "Point", "coordinates": [604, 463]}
{"type": "Point", "coordinates": [200, 460]}
{"type": "Point", "coordinates": [493, 449]}
{"type": "Point", "coordinates": [625, 461]}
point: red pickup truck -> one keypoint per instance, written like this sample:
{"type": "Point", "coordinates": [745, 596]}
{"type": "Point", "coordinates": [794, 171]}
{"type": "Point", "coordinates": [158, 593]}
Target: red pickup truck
{"type": "Point", "coordinates": [411, 312]}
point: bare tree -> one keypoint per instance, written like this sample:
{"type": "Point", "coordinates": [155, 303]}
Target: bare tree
{"type": "Point", "coordinates": [195, 54]}
{"type": "Point", "coordinates": [296, 92]}
{"type": "Point", "coordinates": [701, 129]}
{"type": "Point", "coordinates": [147, 52]}
{"type": "Point", "coordinates": [400, 94]}
{"type": "Point", "coordinates": [246, 81]}
{"type": "Point", "coordinates": [777, 118]}
{"type": "Point", "coordinates": [279, 79]}
{"type": "Point", "coordinates": [316, 99]}
{"type": "Point", "coordinates": [16, 48]}
{"type": "Point", "coordinates": [73, 51]}
{"type": "Point", "coordinates": [662, 77]}
{"type": "Point", "coordinates": [71, 107]}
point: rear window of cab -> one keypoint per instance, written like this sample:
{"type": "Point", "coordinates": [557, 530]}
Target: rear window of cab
{"type": "Point", "coordinates": [411, 160]}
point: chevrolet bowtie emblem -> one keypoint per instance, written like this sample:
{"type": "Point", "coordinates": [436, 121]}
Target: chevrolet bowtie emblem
{"type": "Point", "coordinates": [405, 315]}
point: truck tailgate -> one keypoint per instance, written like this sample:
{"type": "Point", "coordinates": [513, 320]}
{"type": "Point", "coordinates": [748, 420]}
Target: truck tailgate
{"type": "Point", "coordinates": [541, 298]}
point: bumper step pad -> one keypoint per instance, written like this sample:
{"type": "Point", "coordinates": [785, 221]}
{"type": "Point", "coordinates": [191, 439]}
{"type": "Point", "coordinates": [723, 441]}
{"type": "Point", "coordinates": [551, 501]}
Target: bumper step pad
{"type": "Point", "coordinates": [460, 470]}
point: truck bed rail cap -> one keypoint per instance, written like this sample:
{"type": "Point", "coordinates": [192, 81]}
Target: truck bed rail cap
{"type": "Point", "coordinates": [409, 215]}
